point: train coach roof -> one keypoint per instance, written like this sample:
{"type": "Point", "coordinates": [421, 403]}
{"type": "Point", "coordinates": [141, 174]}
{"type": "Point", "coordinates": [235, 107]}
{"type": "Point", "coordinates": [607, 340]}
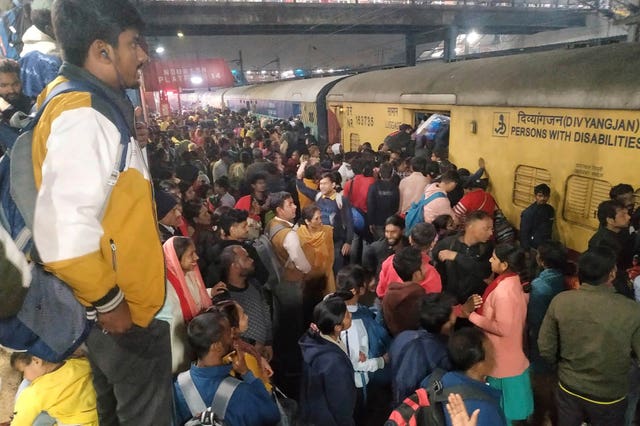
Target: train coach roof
{"type": "Point", "coordinates": [598, 77]}
{"type": "Point", "coordinates": [291, 90]}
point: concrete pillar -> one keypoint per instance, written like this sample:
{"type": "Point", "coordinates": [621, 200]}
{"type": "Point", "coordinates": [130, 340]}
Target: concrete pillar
{"type": "Point", "coordinates": [632, 35]}
{"type": "Point", "coordinates": [410, 49]}
{"type": "Point", "coordinates": [450, 44]}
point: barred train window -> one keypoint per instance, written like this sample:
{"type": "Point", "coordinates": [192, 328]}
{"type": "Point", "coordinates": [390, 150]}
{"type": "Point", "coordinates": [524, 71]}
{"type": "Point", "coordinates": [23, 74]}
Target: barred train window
{"type": "Point", "coordinates": [527, 177]}
{"type": "Point", "coordinates": [582, 197]}
{"type": "Point", "coordinates": [354, 142]}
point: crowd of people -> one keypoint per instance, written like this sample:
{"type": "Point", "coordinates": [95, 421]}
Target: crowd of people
{"type": "Point", "coordinates": [241, 266]}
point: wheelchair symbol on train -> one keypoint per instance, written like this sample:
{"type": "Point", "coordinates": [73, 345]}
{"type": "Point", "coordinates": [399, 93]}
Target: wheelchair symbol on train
{"type": "Point", "coordinates": [500, 124]}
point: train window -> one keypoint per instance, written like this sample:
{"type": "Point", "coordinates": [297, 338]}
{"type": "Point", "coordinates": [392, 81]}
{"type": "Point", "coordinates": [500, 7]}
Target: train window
{"type": "Point", "coordinates": [354, 142]}
{"type": "Point", "coordinates": [582, 197]}
{"type": "Point", "coordinates": [527, 177]}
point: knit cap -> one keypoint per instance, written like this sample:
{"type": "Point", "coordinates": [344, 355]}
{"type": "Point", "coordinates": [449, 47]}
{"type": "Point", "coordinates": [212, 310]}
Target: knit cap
{"type": "Point", "coordinates": [164, 202]}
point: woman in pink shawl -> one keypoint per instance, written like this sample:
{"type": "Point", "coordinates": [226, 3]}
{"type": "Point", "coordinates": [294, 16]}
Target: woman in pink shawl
{"type": "Point", "coordinates": [186, 296]}
{"type": "Point", "coordinates": [183, 274]}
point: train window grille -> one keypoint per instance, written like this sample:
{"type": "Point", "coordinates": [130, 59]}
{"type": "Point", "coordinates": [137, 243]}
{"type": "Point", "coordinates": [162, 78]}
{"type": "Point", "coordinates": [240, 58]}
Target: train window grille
{"type": "Point", "coordinates": [354, 142]}
{"type": "Point", "coordinates": [582, 197]}
{"type": "Point", "coordinates": [527, 177]}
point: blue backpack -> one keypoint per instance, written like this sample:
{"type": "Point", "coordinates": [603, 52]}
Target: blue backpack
{"type": "Point", "coordinates": [415, 214]}
{"type": "Point", "coordinates": [15, 22]}
{"type": "Point", "coordinates": [45, 319]}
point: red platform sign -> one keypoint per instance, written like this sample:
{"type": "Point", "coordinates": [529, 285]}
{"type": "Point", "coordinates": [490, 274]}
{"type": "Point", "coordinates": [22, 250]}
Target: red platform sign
{"type": "Point", "coordinates": [194, 74]}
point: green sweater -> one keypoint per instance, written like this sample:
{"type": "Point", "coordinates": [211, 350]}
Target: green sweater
{"type": "Point", "coordinates": [590, 333]}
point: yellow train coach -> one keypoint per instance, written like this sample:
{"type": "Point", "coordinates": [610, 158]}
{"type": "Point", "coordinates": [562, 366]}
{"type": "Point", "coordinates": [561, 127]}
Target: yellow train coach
{"type": "Point", "coordinates": [567, 118]}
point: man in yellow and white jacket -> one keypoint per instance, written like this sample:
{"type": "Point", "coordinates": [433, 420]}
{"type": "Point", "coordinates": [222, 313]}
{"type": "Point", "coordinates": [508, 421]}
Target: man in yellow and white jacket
{"type": "Point", "coordinates": [113, 260]}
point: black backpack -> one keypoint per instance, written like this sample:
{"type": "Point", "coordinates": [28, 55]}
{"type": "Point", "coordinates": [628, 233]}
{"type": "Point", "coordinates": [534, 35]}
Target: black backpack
{"type": "Point", "coordinates": [425, 407]}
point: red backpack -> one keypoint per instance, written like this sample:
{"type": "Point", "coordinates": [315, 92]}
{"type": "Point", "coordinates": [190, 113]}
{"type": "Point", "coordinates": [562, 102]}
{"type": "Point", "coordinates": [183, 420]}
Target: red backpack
{"type": "Point", "coordinates": [425, 407]}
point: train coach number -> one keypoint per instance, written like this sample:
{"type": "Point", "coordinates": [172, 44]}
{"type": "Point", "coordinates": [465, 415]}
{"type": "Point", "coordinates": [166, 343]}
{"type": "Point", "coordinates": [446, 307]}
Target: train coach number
{"type": "Point", "coordinates": [364, 120]}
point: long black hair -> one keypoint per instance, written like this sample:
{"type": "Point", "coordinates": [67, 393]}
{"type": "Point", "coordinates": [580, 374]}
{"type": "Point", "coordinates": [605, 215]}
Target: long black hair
{"type": "Point", "coordinates": [330, 312]}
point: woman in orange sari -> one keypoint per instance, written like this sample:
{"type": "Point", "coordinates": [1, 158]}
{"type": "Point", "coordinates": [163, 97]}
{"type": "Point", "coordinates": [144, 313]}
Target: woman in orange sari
{"type": "Point", "coordinates": [316, 240]}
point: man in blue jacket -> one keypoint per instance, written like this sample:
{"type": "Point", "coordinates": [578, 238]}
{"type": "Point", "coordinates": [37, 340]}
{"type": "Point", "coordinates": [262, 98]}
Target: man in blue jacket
{"type": "Point", "coordinates": [472, 356]}
{"type": "Point", "coordinates": [415, 354]}
{"type": "Point", "coordinates": [250, 404]}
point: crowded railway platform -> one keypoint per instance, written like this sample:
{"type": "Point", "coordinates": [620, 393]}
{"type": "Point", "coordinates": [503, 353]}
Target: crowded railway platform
{"type": "Point", "coordinates": [360, 255]}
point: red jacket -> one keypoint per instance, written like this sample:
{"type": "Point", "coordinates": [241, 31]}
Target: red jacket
{"type": "Point", "coordinates": [356, 191]}
{"type": "Point", "coordinates": [431, 283]}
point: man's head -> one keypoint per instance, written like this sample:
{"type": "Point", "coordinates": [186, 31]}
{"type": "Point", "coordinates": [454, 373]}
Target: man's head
{"type": "Point", "coordinates": [408, 264]}
{"type": "Point", "coordinates": [282, 203]}
{"type": "Point", "coordinates": [552, 255]}
{"type": "Point", "coordinates": [221, 185]}
{"type": "Point", "coordinates": [624, 193]}
{"type": "Point", "coordinates": [597, 266]}
{"type": "Point", "coordinates": [310, 172]}
{"type": "Point", "coordinates": [613, 215]}
{"type": "Point", "coordinates": [478, 226]}
{"type": "Point", "coordinates": [209, 334]}
{"type": "Point", "coordinates": [41, 16]}
{"type": "Point", "coordinates": [234, 225]}
{"type": "Point", "coordinates": [328, 182]}
{"type": "Point", "coordinates": [471, 351]}
{"type": "Point", "coordinates": [436, 313]}
{"type": "Point", "coordinates": [102, 36]}
{"type": "Point", "coordinates": [449, 181]}
{"type": "Point", "coordinates": [256, 153]}
{"type": "Point", "coordinates": [168, 208]}
{"type": "Point", "coordinates": [393, 230]}
{"type": "Point", "coordinates": [405, 128]}
{"type": "Point", "coordinates": [423, 236]}
{"type": "Point", "coordinates": [226, 157]}
{"type": "Point", "coordinates": [439, 155]}
{"type": "Point", "coordinates": [10, 85]}
{"type": "Point", "coordinates": [542, 193]}
{"type": "Point", "coordinates": [235, 261]}
{"type": "Point", "coordinates": [386, 171]}
{"type": "Point", "coordinates": [258, 183]}
{"type": "Point", "coordinates": [418, 164]}
{"type": "Point", "coordinates": [431, 170]}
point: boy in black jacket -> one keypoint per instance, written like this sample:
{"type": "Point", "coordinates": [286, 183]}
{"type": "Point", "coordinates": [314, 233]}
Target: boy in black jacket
{"type": "Point", "coordinates": [536, 220]}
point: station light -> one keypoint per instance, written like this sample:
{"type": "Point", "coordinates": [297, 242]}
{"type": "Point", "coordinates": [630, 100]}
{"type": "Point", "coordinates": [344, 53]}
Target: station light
{"type": "Point", "coordinates": [473, 36]}
{"type": "Point", "coordinates": [180, 34]}
{"type": "Point", "coordinates": [196, 79]}
{"type": "Point", "coordinates": [160, 50]}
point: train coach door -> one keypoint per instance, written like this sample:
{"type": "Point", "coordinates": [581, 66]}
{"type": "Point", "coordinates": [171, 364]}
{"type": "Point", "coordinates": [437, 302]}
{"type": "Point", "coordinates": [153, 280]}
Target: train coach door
{"type": "Point", "coordinates": [335, 114]}
{"type": "Point", "coordinates": [296, 109]}
{"type": "Point", "coordinates": [432, 129]}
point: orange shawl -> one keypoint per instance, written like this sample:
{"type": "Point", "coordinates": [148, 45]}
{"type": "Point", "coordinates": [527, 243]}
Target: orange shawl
{"type": "Point", "coordinates": [318, 249]}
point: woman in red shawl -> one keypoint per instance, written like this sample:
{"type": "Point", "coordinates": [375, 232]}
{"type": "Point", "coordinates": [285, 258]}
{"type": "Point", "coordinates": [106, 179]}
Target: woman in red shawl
{"type": "Point", "coordinates": [186, 294]}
